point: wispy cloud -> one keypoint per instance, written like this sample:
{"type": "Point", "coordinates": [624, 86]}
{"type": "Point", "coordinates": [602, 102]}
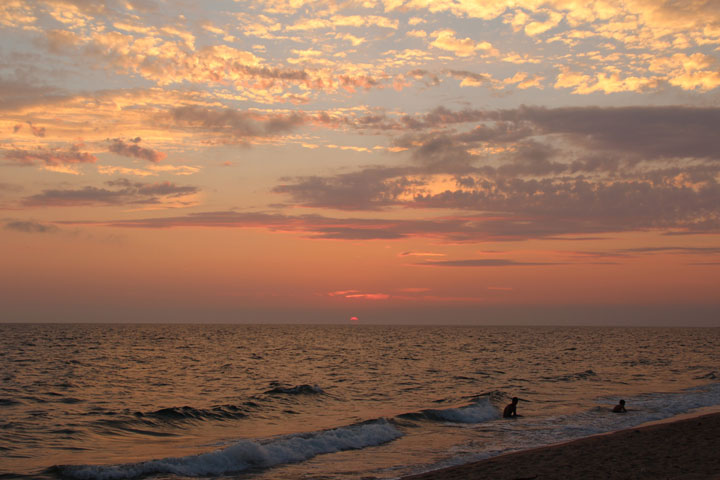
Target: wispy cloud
{"type": "Point", "coordinates": [237, 125]}
{"type": "Point", "coordinates": [27, 226]}
{"type": "Point", "coordinates": [119, 192]}
{"type": "Point", "coordinates": [52, 157]}
{"type": "Point", "coordinates": [482, 262]}
{"type": "Point", "coordinates": [460, 229]}
{"type": "Point", "coordinates": [359, 295]}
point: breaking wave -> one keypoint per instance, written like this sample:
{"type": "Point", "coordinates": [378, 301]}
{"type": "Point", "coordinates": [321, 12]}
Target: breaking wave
{"type": "Point", "coordinates": [246, 454]}
{"type": "Point", "coordinates": [478, 412]}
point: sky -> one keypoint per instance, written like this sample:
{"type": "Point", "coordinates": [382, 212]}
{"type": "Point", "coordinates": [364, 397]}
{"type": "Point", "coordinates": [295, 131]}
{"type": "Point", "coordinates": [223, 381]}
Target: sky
{"type": "Point", "coordinates": [396, 161]}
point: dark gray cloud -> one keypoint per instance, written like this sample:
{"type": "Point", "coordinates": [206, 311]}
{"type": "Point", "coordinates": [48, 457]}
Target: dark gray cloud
{"type": "Point", "coordinates": [653, 132]}
{"type": "Point", "coordinates": [361, 81]}
{"type": "Point", "coordinates": [237, 124]}
{"type": "Point", "coordinates": [564, 167]}
{"type": "Point", "coordinates": [273, 73]}
{"type": "Point", "coordinates": [675, 249]}
{"type": "Point", "coordinates": [19, 93]}
{"type": "Point", "coordinates": [437, 118]}
{"type": "Point", "coordinates": [648, 132]}
{"type": "Point", "coordinates": [121, 192]}
{"type": "Point", "coordinates": [531, 158]}
{"type": "Point", "coordinates": [367, 189]}
{"type": "Point", "coordinates": [131, 148]}
{"type": "Point", "coordinates": [49, 156]}
{"type": "Point", "coordinates": [464, 229]}
{"type": "Point", "coordinates": [37, 131]}
{"type": "Point", "coordinates": [30, 227]}
{"type": "Point", "coordinates": [617, 205]}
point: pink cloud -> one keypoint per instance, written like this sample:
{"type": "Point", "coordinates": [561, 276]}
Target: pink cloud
{"type": "Point", "coordinates": [52, 157]}
{"type": "Point", "coordinates": [369, 296]}
{"type": "Point", "coordinates": [357, 294]}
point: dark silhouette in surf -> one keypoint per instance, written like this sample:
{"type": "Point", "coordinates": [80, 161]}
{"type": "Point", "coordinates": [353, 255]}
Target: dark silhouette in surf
{"type": "Point", "coordinates": [620, 407]}
{"type": "Point", "coordinates": [511, 409]}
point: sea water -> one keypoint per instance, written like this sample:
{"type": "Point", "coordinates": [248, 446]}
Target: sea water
{"type": "Point", "coordinates": [268, 402]}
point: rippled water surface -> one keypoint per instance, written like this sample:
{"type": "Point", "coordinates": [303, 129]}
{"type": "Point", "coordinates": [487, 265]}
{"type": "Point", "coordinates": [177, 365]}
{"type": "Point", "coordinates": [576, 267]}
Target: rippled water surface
{"type": "Point", "coordinates": [275, 402]}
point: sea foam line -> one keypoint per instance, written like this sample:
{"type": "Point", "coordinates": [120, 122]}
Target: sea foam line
{"type": "Point", "coordinates": [477, 412]}
{"type": "Point", "coordinates": [246, 454]}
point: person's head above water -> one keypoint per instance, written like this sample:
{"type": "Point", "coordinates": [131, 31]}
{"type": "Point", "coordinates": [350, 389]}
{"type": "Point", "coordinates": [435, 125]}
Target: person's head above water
{"type": "Point", "coordinates": [622, 402]}
{"type": "Point", "coordinates": [516, 399]}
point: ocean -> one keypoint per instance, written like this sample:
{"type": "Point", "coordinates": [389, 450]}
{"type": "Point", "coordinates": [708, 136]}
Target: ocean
{"type": "Point", "coordinates": [338, 402]}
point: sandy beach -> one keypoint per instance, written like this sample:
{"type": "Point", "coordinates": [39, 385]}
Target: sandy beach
{"type": "Point", "coordinates": [684, 449]}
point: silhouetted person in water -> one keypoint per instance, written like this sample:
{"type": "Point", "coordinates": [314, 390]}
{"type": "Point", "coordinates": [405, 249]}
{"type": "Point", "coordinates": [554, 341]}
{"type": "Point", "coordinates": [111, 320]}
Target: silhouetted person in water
{"type": "Point", "coordinates": [511, 410]}
{"type": "Point", "coordinates": [620, 407]}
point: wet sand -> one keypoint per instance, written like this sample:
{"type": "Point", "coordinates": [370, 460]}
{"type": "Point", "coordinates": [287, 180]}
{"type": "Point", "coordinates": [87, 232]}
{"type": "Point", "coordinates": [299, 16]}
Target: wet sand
{"type": "Point", "coordinates": [683, 449]}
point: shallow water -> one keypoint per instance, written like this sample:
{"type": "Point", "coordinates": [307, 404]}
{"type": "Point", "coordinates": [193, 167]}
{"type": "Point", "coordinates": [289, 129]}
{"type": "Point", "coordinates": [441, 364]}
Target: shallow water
{"type": "Point", "coordinates": [334, 402]}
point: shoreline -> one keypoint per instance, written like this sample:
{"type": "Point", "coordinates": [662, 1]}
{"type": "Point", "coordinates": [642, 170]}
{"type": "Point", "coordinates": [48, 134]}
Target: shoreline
{"type": "Point", "coordinates": [677, 448]}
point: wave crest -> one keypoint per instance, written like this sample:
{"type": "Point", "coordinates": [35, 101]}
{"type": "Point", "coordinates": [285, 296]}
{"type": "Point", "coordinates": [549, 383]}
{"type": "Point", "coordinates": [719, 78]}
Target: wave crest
{"type": "Point", "coordinates": [296, 390]}
{"type": "Point", "coordinates": [246, 454]}
{"type": "Point", "coordinates": [478, 412]}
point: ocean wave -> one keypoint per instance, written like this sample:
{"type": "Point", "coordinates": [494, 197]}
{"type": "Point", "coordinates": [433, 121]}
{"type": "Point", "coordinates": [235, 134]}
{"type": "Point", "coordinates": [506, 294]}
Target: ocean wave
{"type": "Point", "coordinates": [296, 390]}
{"type": "Point", "coordinates": [572, 377]}
{"type": "Point", "coordinates": [8, 402]}
{"type": "Point", "coordinates": [665, 405]}
{"type": "Point", "coordinates": [641, 409]}
{"type": "Point", "coordinates": [218, 412]}
{"type": "Point", "coordinates": [246, 454]}
{"type": "Point", "coordinates": [478, 412]}
{"type": "Point", "coordinates": [139, 422]}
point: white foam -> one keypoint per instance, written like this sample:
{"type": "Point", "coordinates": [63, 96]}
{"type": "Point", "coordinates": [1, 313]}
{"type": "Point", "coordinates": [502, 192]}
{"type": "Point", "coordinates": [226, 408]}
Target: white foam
{"type": "Point", "coordinates": [247, 454]}
{"type": "Point", "coordinates": [659, 406]}
{"type": "Point", "coordinates": [478, 412]}
{"type": "Point", "coordinates": [641, 409]}
{"type": "Point", "coordinates": [533, 432]}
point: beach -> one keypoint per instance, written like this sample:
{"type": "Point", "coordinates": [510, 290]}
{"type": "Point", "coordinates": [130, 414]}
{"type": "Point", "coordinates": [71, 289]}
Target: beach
{"type": "Point", "coordinates": [683, 449]}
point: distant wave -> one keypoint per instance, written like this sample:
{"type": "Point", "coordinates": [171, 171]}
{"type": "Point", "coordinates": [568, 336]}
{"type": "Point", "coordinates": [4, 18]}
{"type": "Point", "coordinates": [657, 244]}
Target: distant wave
{"type": "Point", "coordinates": [572, 377]}
{"type": "Point", "coordinates": [8, 402]}
{"type": "Point", "coordinates": [139, 422]}
{"type": "Point", "coordinates": [296, 390]}
{"type": "Point", "coordinates": [218, 412]}
{"type": "Point", "coordinates": [246, 454]}
{"type": "Point", "coordinates": [478, 412]}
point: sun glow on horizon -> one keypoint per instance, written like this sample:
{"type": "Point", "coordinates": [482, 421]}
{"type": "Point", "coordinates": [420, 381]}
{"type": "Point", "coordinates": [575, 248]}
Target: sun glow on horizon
{"type": "Point", "coordinates": [379, 156]}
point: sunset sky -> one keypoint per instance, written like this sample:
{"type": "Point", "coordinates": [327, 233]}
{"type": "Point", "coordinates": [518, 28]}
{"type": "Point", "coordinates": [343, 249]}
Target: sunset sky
{"type": "Point", "coordinates": [450, 161]}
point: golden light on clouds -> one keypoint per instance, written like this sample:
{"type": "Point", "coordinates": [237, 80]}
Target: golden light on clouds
{"type": "Point", "coordinates": [368, 149]}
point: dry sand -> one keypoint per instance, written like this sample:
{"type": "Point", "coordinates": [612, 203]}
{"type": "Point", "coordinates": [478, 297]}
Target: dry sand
{"type": "Point", "coordinates": [684, 449]}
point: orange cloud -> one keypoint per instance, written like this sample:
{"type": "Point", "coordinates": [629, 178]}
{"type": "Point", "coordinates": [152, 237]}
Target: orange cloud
{"type": "Point", "coordinates": [52, 157]}
{"type": "Point", "coordinates": [445, 40]}
{"type": "Point", "coordinates": [16, 13]}
{"type": "Point", "coordinates": [356, 294]}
